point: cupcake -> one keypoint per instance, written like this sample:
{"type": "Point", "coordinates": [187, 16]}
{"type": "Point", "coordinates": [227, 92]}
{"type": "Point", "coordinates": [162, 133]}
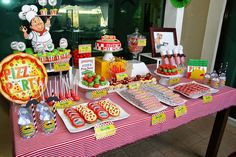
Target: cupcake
{"type": "Point", "coordinates": [44, 57]}
{"type": "Point", "coordinates": [53, 11]}
{"type": "Point", "coordinates": [40, 57]}
{"type": "Point", "coordinates": [43, 11]}
{"type": "Point", "coordinates": [29, 51]}
{"type": "Point", "coordinates": [67, 51]}
{"type": "Point", "coordinates": [62, 53]}
{"type": "Point", "coordinates": [53, 56]}
{"type": "Point", "coordinates": [49, 56]}
{"type": "Point", "coordinates": [57, 56]}
{"type": "Point", "coordinates": [65, 55]}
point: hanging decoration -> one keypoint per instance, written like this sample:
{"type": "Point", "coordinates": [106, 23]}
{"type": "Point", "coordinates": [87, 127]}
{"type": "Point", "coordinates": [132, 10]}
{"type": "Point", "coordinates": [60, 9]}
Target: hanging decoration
{"type": "Point", "coordinates": [180, 3]}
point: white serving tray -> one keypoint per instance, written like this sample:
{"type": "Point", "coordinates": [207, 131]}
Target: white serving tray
{"type": "Point", "coordinates": [72, 129]}
{"type": "Point", "coordinates": [212, 90]}
{"type": "Point", "coordinates": [166, 101]}
{"type": "Point", "coordinates": [132, 103]}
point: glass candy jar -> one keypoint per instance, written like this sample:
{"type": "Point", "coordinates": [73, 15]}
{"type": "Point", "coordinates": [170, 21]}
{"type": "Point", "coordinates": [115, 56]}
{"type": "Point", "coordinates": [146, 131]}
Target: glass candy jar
{"type": "Point", "coordinates": [136, 42]}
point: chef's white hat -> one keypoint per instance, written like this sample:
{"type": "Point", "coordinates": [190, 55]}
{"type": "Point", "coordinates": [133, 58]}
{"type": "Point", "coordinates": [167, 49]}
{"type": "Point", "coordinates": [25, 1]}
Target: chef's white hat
{"type": "Point", "coordinates": [28, 12]}
{"type": "Point", "coordinates": [30, 15]}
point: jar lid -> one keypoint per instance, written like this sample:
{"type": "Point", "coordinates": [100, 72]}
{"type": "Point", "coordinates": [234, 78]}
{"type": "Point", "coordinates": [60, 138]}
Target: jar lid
{"type": "Point", "coordinates": [136, 34]}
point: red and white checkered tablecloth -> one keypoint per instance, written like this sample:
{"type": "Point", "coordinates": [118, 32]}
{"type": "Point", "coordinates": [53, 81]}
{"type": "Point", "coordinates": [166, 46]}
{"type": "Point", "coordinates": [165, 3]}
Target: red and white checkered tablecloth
{"type": "Point", "coordinates": [135, 127]}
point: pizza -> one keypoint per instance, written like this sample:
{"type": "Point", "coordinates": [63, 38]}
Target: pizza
{"type": "Point", "coordinates": [22, 76]}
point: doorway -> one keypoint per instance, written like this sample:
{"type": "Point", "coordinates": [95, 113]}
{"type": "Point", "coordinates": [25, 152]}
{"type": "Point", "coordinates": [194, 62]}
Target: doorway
{"type": "Point", "coordinates": [227, 47]}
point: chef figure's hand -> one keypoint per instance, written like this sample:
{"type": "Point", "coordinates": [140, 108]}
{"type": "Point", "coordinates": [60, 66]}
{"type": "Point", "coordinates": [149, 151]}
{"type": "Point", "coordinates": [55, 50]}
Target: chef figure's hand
{"type": "Point", "coordinates": [23, 29]}
{"type": "Point", "coordinates": [48, 22]}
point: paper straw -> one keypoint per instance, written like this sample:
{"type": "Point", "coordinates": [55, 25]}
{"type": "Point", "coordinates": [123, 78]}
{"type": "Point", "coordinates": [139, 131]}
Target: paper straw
{"type": "Point", "coordinates": [41, 84]}
{"type": "Point", "coordinates": [54, 115]}
{"type": "Point", "coordinates": [34, 117]}
{"type": "Point", "coordinates": [50, 84]}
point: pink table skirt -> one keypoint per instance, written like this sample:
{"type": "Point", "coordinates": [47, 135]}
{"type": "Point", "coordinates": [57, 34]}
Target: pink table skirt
{"type": "Point", "coordinates": [136, 126]}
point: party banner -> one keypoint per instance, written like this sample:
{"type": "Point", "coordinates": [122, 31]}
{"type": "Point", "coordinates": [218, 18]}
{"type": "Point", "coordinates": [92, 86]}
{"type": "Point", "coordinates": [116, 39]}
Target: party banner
{"type": "Point", "coordinates": [22, 76]}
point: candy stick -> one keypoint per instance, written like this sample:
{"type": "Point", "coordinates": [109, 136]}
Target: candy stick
{"type": "Point", "coordinates": [76, 89]}
{"type": "Point", "coordinates": [57, 88]}
{"type": "Point", "coordinates": [63, 89]}
{"type": "Point", "coordinates": [50, 84]}
{"type": "Point", "coordinates": [75, 96]}
{"type": "Point", "coordinates": [47, 93]}
{"type": "Point", "coordinates": [61, 95]}
{"type": "Point", "coordinates": [34, 117]}
{"type": "Point", "coordinates": [67, 89]}
{"type": "Point", "coordinates": [69, 82]}
{"type": "Point", "coordinates": [55, 85]}
{"type": "Point", "coordinates": [73, 89]}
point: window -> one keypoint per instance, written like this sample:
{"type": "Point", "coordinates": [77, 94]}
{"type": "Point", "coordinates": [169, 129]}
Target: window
{"type": "Point", "coordinates": [85, 21]}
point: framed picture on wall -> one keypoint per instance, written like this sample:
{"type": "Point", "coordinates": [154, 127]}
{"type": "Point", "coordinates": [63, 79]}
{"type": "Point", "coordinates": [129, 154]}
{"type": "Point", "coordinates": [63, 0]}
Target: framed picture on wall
{"type": "Point", "coordinates": [162, 37]}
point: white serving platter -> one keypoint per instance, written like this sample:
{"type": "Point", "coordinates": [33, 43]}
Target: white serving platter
{"type": "Point", "coordinates": [139, 107]}
{"type": "Point", "coordinates": [72, 129]}
{"type": "Point", "coordinates": [212, 90]}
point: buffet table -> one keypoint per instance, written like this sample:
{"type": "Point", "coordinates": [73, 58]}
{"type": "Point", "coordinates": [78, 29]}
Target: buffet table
{"type": "Point", "coordinates": [137, 126]}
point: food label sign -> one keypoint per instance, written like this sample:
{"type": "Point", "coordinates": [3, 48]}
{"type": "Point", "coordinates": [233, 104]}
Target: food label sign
{"type": "Point", "coordinates": [158, 118]}
{"type": "Point", "coordinates": [85, 48]}
{"type": "Point", "coordinates": [64, 103]}
{"type": "Point", "coordinates": [61, 66]}
{"type": "Point", "coordinates": [86, 64]}
{"type": "Point", "coordinates": [103, 130]}
{"type": "Point", "coordinates": [173, 81]}
{"type": "Point", "coordinates": [180, 111]}
{"type": "Point", "coordinates": [207, 98]}
{"type": "Point", "coordinates": [142, 42]}
{"type": "Point", "coordinates": [134, 85]}
{"type": "Point", "coordinates": [96, 94]}
{"type": "Point", "coordinates": [121, 76]}
{"type": "Point", "coordinates": [21, 77]}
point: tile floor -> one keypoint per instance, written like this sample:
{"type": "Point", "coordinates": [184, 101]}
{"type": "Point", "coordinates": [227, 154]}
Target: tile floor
{"type": "Point", "coordinates": [189, 140]}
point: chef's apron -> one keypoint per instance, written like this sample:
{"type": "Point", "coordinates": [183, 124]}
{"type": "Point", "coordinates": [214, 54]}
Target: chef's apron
{"type": "Point", "coordinates": [39, 42]}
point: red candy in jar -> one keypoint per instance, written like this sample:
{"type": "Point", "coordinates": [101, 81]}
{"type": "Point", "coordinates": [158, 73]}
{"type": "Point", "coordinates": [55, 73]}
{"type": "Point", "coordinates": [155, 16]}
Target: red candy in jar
{"type": "Point", "coordinates": [133, 42]}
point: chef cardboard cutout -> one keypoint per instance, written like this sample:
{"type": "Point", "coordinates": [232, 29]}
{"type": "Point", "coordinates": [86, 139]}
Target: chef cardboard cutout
{"type": "Point", "coordinates": [40, 37]}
